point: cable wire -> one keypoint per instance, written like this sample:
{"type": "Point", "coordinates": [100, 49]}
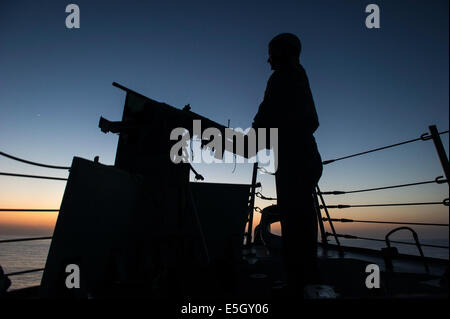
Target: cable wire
{"type": "Point", "coordinates": [24, 272]}
{"type": "Point", "coordinates": [444, 202]}
{"type": "Point", "coordinates": [33, 163]}
{"type": "Point", "coordinates": [27, 210]}
{"type": "Point", "coordinates": [24, 239]}
{"type": "Point", "coordinates": [438, 180]}
{"type": "Point", "coordinates": [34, 176]}
{"type": "Point", "coordinates": [346, 220]}
{"type": "Point", "coordinates": [382, 240]}
{"type": "Point", "coordinates": [423, 137]}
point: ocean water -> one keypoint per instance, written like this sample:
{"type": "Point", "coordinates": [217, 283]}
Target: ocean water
{"type": "Point", "coordinates": [26, 255]}
{"type": "Point", "coordinates": [403, 249]}
{"type": "Point", "coordinates": [18, 256]}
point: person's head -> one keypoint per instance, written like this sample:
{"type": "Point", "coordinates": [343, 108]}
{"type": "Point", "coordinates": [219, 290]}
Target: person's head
{"type": "Point", "coordinates": [284, 51]}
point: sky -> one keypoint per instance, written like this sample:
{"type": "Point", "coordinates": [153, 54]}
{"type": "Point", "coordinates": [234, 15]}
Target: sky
{"type": "Point", "coordinates": [372, 87]}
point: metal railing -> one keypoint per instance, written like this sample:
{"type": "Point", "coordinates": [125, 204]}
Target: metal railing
{"type": "Point", "coordinates": [433, 135]}
{"type": "Point", "coordinates": [19, 240]}
{"type": "Point", "coordinates": [16, 273]}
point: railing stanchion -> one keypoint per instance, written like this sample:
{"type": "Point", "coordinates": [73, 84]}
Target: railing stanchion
{"type": "Point", "coordinates": [323, 235]}
{"type": "Point", "coordinates": [341, 252]}
{"type": "Point", "coordinates": [440, 149]}
{"type": "Point", "coordinates": [252, 205]}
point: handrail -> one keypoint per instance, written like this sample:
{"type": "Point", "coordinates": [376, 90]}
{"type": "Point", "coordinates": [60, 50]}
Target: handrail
{"type": "Point", "coordinates": [346, 220]}
{"type": "Point", "coordinates": [423, 137]}
{"type": "Point", "coordinates": [426, 136]}
{"type": "Point", "coordinates": [24, 272]}
{"type": "Point", "coordinates": [27, 210]}
{"type": "Point", "coordinates": [440, 149]}
{"type": "Point", "coordinates": [437, 180]}
{"type": "Point", "coordinates": [317, 192]}
{"type": "Point", "coordinates": [416, 240]}
{"type": "Point", "coordinates": [340, 206]}
{"type": "Point", "coordinates": [33, 163]}
{"type": "Point", "coordinates": [33, 176]}
{"type": "Point", "coordinates": [24, 239]}
{"type": "Point", "coordinates": [382, 240]}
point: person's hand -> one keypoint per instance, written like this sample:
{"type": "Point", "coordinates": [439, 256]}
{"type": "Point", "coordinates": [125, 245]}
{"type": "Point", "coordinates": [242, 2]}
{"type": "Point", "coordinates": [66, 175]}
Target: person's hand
{"type": "Point", "coordinates": [104, 125]}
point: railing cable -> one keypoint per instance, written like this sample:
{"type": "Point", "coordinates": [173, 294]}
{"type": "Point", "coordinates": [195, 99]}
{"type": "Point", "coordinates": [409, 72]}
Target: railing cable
{"type": "Point", "coordinates": [445, 202]}
{"type": "Point", "coordinates": [23, 239]}
{"type": "Point", "coordinates": [423, 137]}
{"type": "Point", "coordinates": [24, 272]}
{"type": "Point", "coordinates": [27, 210]}
{"type": "Point", "coordinates": [34, 176]}
{"type": "Point", "coordinates": [33, 163]}
{"type": "Point", "coordinates": [382, 240]}
{"type": "Point", "coordinates": [346, 220]}
{"type": "Point", "coordinates": [437, 180]}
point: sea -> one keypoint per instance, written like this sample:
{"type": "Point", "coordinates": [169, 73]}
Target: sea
{"type": "Point", "coordinates": [20, 256]}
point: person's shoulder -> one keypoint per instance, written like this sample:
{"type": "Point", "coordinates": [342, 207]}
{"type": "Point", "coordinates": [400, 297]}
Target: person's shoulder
{"type": "Point", "coordinates": [288, 74]}
{"type": "Point", "coordinates": [278, 78]}
{"type": "Point", "coordinates": [300, 71]}
{"type": "Point", "coordinates": [299, 75]}
{"type": "Point", "coordinates": [293, 77]}
{"type": "Point", "coordinates": [274, 76]}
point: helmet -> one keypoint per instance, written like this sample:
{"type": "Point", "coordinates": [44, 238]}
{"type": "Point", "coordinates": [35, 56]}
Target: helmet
{"type": "Point", "coordinates": [286, 45]}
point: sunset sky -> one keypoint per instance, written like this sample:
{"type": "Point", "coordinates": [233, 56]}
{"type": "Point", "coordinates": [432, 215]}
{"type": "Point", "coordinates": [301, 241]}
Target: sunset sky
{"type": "Point", "coordinates": [372, 87]}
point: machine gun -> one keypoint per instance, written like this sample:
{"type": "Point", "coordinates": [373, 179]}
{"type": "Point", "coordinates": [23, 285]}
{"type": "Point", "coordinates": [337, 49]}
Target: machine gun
{"type": "Point", "coordinates": [142, 217]}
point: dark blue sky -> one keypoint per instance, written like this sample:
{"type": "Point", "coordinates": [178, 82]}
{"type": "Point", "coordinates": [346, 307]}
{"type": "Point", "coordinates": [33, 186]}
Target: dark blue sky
{"type": "Point", "coordinates": [371, 87]}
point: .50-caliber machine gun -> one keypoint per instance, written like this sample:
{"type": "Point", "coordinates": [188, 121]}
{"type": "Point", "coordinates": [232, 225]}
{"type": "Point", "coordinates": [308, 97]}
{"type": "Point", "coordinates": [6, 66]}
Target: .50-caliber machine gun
{"type": "Point", "coordinates": [140, 226]}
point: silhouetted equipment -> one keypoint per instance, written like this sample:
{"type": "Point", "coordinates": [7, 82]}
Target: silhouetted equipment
{"type": "Point", "coordinates": [347, 274]}
{"type": "Point", "coordinates": [141, 223]}
{"type": "Point", "coordinates": [96, 230]}
{"type": "Point", "coordinates": [221, 220]}
{"type": "Point", "coordinates": [390, 253]}
{"type": "Point", "coordinates": [269, 216]}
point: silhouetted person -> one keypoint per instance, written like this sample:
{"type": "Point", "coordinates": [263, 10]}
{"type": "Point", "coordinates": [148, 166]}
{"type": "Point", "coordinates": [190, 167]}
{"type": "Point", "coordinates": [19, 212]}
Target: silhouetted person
{"type": "Point", "coordinates": [289, 106]}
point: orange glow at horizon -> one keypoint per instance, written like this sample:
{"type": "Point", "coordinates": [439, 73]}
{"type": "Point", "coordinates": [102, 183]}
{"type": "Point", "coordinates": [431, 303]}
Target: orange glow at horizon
{"type": "Point", "coordinates": [29, 194]}
{"type": "Point", "coordinates": [36, 194]}
{"type": "Point", "coordinates": [29, 219]}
